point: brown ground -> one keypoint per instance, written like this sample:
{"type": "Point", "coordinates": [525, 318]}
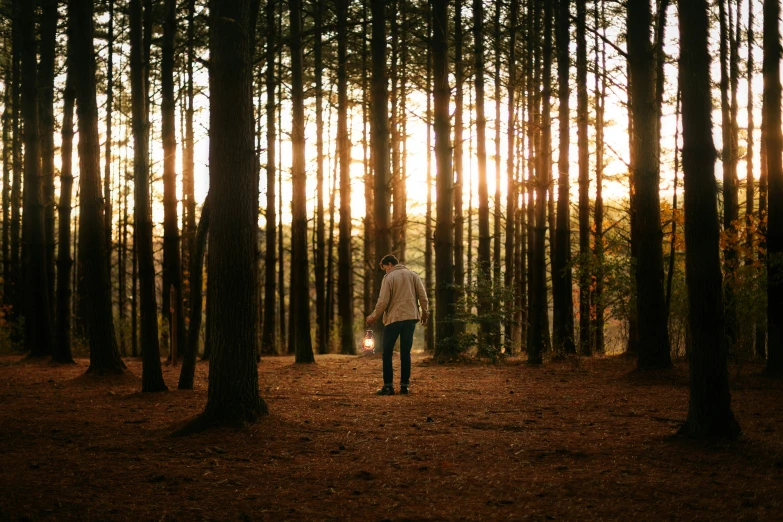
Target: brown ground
{"type": "Point", "coordinates": [573, 440]}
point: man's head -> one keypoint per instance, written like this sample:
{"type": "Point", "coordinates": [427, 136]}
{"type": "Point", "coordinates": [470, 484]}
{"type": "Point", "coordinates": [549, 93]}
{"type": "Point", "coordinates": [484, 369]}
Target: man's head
{"type": "Point", "coordinates": [388, 263]}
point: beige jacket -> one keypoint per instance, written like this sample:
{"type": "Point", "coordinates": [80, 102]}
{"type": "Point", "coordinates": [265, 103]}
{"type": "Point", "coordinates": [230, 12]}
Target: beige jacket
{"type": "Point", "coordinates": [400, 290]}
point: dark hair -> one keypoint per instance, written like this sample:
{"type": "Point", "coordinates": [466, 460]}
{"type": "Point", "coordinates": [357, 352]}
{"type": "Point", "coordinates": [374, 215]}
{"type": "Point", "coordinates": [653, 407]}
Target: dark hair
{"type": "Point", "coordinates": [389, 260]}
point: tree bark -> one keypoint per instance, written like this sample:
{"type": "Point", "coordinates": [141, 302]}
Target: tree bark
{"type": "Point", "coordinates": [15, 293]}
{"type": "Point", "coordinates": [429, 329]}
{"type": "Point", "coordinates": [709, 408]}
{"type": "Point", "coordinates": [38, 334]}
{"type": "Point", "coordinates": [62, 333]}
{"type": "Point", "coordinates": [562, 292]}
{"type": "Point", "coordinates": [92, 252]}
{"type": "Point", "coordinates": [582, 115]}
{"type": "Point", "coordinates": [459, 185]}
{"type": "Point", "coordinates": [7, 165]}
{"type": "Point", "coordinates": [268, 340]}
{"type": "Point", "coordinates": [446, 346]}
{"type": "Point", "coordinates": [232, 398]}
{"type": "Point", "coordinates": [48, 34]}
{"type": "Point", "coordinates": [512, 188]}
{"type": "Point", "coordinates": [598, 243]}
{"type": "Point", "coordinates": [650, 301]}
{"type": "Point", "coordinates": [152, 378]}
{"type": "Point", "coordinates": [774, 141]}
{"type": "Point", "coordinates": [299, 340]}
{"type": "Point", "coordinates": [172, 268]}
{"type": "Point", "coordinates": [345, 267]}
{"type": "Point", "coordinates": [188, 371]}
{"type": "Point", "coordinates": [484, 267]}
{"type": "Point", "coordinates": [380, 139]}
{"type": "Point", "coordinates": [321, 325]}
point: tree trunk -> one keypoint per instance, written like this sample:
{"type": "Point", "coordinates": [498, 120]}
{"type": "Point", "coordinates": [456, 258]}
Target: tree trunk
{"type": "Point", "coordinates": [380, 140]}
{"type": "Point", "coordinates": [321, 326]}
{"type": "Point", "coordinates": [562, 292]}
{"type": "Point", "coordinates": [16, 293]}
{"type": "Point", "coordinates": [369, 227]}
{"type": "Point", "coordinates": [7, 161]}
{"type": "Point", "coordinates": [188, 162]}
{"type": "Point", "coordinates": [730, 206]}
{"type": "Point", "coordinates": [104, 356]}
{"type": "Point", "coordinates": [188, 371]}
{"type": "Point", "coordinates": [774, 140]}
{"type": "Point", "coordinates": [459, 185]}
{"type": "Point", "coordinates": [62, 333]}
{"type": "Point", "coordinates": [233, 397]}
{"type": "Point", "coordinates": [496, 252]}
{"type": "Point", "coordinates": [268, 341]}
{"type": "Point", "coordinates": [538, 311]}
{"type": "Point", "coordinates": [484, 276]}
{"type": "Point", "coordinates": [709, 408]}
{"type": "Point", "coordinates": [345, 267]}
{"type": "Point", "coordinates": [446, 346]}
{"type": "Point", "coordinates": [299, 340]}
{"type": "Point", "coordinates": [598, 243]}
{"type": "Point", "coordinates": [429, 329]}
{"type": "Point", "coordinates": [48, 34]}
{"type": "Point", "coordinates": [512, 188]}
{"type": "Point", "coordinates": [38, 335]}
{"type": "Point", "coordinates": [651, 306]}
{"type": "Point", "coordinates": [152, 378]}
{"type": "Point", "coordinates": [582, 115]}
{"type": "Point", "coordinates": [172, 268]}
{"type": "Point", "coordinates": [107, 209]}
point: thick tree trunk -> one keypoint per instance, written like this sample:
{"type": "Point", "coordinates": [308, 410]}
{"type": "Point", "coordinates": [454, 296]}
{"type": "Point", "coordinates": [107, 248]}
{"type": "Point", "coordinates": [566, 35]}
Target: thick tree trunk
{"type": "Point", "coordinates": [48, 34]}
{"type": "Point", "coordinates": [38, 334]}
{"type": "Point", "coordinates": [345, 266]}
{"type": "Point", "coordinates": [188, 371]}
{"type": "Point", "coordinates": [562, 292]}
{"type": "Point", "coordinates": [484, 276]}
{"type": "Point", "coordinates": [172, 268]}
{"type": "Point", "coordinates": [268, 340]}
{"type": "Point", "coordinates": [104, 356]}
{"type": "Point", "coordinates": [152, 378]}
{"type": "Point", "coordinates": [709, 409]}
{"type": "Point", "coordinates": [774, 141]}
{"type": "Point", "coordinates": [299, 340]}
{"type": "Point", "coordinates": [446, 347]}
{"type": "Point", "coordinates": [380, 140]}
{"type": "Point", "coordinates": [650, 301]}
{"type": "Point", "coordinates": [62, 333]}
{"type": "Point", "coordinates": [233, 396]}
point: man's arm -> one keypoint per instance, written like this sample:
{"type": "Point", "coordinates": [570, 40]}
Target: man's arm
{"type": "Point", "coordinates": [421, 294]}
{"type": "Point", "coordinates": [383, 302]}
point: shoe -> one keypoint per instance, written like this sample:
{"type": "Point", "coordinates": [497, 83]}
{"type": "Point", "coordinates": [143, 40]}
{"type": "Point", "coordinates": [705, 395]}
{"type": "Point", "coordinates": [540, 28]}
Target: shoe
{"type": "Point", "coordinates": [404, 390]}
{"type": "Point", "coordinates": [386, 390]}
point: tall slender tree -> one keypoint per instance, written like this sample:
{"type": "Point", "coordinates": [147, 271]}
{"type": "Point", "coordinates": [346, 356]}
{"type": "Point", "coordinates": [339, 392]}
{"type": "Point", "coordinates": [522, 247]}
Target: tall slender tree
{"type": "Point", "coordinates": [650, 301]}
{"type": "Point", "coordinates": [38, 334]}
{"type": "Point", "coordinates": [62, 333]}
{"type": "Point", "coordinates": [585, 345]}
{"type": "Point", "coordinates": [459, 185]}
{"type": "Point", "coordinates": [562, 292]}
{"type": "Point", "coordinates": [446, 347]}
{"type": "Point", "coordinates": [321, 322]}
{"type": "Point", "coordinates": [299, 339]}
{"type": "Point", "coordinates": [172, 268]}
{"type": "Point", "coordinates": [46, 68]}
{"type": "Point", "coordinates": [107, 208]}
{"type": "Point", "coordinates": [709, 408]}
{"type": "Point", "coordinates": [512, 188]}
{"type": "Point", "coordinates": [152, 378]}
{"type": "Point", "coordinates": [92, 252]}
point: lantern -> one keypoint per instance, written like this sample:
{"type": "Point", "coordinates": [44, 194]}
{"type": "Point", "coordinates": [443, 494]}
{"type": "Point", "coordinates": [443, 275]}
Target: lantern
{"type": "Point", "coordinates": [368, 345]}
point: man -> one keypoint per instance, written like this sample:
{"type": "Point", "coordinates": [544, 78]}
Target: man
{"type": "Point", "coordinates": [401, 294]}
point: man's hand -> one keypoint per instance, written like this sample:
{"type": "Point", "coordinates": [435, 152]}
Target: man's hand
{"type": "Point", "coordinates": [424, 317]}
{"type": "Point", "coordinates": [370, 319]}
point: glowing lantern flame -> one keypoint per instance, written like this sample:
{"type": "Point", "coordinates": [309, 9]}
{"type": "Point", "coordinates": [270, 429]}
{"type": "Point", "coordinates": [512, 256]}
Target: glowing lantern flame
{"type": "Point", "coordinates": [369, 342]}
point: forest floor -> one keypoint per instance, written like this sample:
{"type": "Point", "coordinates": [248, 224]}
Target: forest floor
{"type": "Point", "coordinates": [575, 440]}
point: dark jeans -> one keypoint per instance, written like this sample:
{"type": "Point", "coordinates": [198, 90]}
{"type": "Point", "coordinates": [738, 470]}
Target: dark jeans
{"type": "Point", "coordinates": [403, 330]}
